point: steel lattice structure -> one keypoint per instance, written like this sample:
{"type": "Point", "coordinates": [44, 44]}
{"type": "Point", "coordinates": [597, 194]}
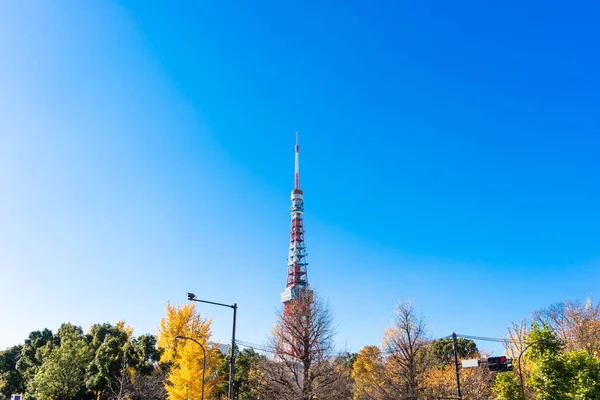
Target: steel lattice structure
{"type": "Point", "coordinates": [297, 277]}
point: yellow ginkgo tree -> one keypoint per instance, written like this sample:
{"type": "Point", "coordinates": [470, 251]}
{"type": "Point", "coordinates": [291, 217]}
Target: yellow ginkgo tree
{"type": "Point", "coordinates": [184, 357]}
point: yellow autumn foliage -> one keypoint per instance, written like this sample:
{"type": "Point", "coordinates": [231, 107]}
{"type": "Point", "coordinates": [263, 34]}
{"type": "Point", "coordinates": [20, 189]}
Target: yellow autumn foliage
{"type": "Point", "coordinates": [185, 356]}
{"type": "Point", "coordinates": [128, 329]}
{"type": "Point", "coordinates": [368, 374]}
{"type": "Point", "coordinates": [440, 381]}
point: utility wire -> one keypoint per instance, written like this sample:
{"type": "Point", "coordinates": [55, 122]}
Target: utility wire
{"type": "Point", "coordinates": [384, 351]}
{"type": "Point", "coordinates": [488, 339]}
{"type": "Point", "coordinates": [266, 349]}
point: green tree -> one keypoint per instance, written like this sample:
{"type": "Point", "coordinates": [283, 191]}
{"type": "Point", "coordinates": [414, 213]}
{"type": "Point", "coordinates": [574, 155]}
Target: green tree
{"type": "Point", "coordinates": [585, 370]}
{"type": "Point", "coordinates": [119, 359]}
{"type": "Point", "coordinates": [222, 371]}
{"type": "Point", "coordinates": [30, 359]}
{"type": "Point", "coordinates": [113, 364]}
{"type": "Point", "coordinates": [507, 387]}
{"type": "Point", "coordinates": [62, 373]}
{"type": "Point", "coordinates": [549, 378]}
{"type": "Point", "coordinates": [559, 354]}
{"type": "Point", "coordinates": [442, 350]}
{"type": "Point", "coordinates": [555, 374]}
{"type": "Point", "coordinates": [573, 375]}
{"type": "Point", "coordinates": [246, 361]}
{"type": "Point", "coordinates": [108, 344]}
{"type": "Point", "coordinates": [349, 359]}
{"type": "Point", "coordinates": [144, 355]}
{"type": "Point", "coordinates": [11, 380]}
{"type": "Point", "coordinates": [544, 342]}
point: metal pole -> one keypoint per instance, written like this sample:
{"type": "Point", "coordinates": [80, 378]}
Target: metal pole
{"type": "Point", "coordinates": [523, 351]}
{"type": "Point", "coordinates": [454, 345]}
{"type": "Point", "coordinates": [232, 359]}
{"type": "Point", "coordinates": [203, 359]}
{"type": "Point", "coordinates": [192, 297]}
{"type": "Point", "coordinates": [521, 372]}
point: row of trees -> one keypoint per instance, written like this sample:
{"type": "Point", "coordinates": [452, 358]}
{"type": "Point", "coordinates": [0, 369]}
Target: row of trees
{"type": "Point", "coordinates": [409, 365]}
{"type": "Point", "coordinates": [559, 350]}
{"type": "Point", "coordinates": [107, 362]}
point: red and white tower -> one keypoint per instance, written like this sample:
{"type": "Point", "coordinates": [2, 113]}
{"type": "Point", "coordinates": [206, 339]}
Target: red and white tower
{"type": "Point", "coordinates": [297, 277]}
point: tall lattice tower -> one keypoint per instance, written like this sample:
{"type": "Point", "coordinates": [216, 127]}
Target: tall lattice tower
{"type": "Point", "coordinates": [297, 277]}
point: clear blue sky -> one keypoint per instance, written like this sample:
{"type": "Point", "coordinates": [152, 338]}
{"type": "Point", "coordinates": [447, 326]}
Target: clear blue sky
{"type": "Point", "coordinates": [449, 154]}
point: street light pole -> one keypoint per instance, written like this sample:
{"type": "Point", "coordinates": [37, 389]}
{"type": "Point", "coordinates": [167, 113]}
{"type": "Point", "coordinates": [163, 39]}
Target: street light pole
{"type": "Point", "coordinates": [232, 360]}
{"type": "Point", "coordinates": [179, 337]}
{"type": "Point", "coordinates": [192, 297]}
{"type": "Point", "coordinates": [519, 361]}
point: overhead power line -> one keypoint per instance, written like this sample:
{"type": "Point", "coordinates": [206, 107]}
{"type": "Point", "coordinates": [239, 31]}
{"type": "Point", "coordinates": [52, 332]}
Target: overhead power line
{"type": "Point", "coordinates": [384, 351]}
{"type": "Point", "coordinates": [489, 339]}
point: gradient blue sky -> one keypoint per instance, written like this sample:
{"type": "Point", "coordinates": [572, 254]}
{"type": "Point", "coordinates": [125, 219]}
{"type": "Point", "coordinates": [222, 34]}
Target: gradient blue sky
{"type": "Point", "coordinates": [449, 154]}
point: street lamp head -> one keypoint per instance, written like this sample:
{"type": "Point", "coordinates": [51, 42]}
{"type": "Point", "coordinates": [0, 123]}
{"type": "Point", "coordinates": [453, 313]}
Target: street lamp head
{"type": "Point", "coordinates": [191, 296]}
{"type": "Point", "coordinates": [179, 337]}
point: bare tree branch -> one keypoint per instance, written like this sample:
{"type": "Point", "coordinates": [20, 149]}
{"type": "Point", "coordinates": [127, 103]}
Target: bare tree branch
{"type": "Point", "coordinates": [303, 367]}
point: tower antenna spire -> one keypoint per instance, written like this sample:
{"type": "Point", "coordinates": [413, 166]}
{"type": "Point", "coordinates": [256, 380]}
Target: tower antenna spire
{"type": "Point", "coordinates": [297, 166]}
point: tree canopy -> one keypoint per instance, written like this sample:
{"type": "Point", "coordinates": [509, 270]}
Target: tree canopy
{"type": "Point", "coordinates": [557, 349]}
{"type": "Point", "coordinates": [185, 357]}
